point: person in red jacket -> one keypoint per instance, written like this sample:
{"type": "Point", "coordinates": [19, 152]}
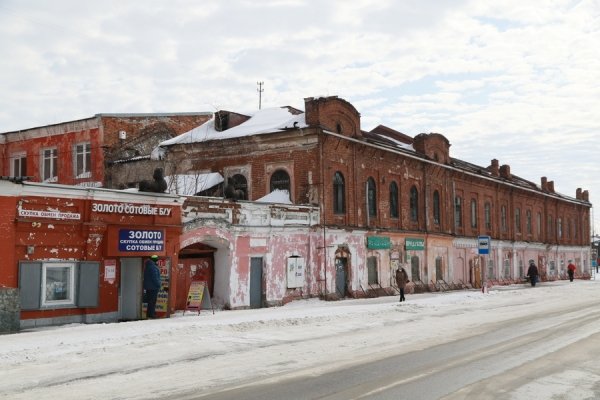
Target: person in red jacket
{"type": "Point", "coordinates": [571, 270]}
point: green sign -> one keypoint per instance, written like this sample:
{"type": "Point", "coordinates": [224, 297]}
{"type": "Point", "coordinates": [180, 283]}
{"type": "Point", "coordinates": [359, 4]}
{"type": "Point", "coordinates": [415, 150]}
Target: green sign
{"type": "Point", "coordinates": [378, 242]}
{"type": "Point", "coordinates": [415, 244]}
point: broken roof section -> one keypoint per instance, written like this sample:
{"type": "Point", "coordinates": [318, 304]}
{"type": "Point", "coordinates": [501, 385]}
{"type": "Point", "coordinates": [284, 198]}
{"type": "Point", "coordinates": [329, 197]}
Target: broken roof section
{"type": "Point", "coordinates": [190, 184]}
{"type": "Point", "coordinates": [268, 120]}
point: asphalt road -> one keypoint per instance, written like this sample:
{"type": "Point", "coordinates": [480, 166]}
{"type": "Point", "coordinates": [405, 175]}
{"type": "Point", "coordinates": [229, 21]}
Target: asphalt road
{"type": "Point", "coordinates": [496, 363]}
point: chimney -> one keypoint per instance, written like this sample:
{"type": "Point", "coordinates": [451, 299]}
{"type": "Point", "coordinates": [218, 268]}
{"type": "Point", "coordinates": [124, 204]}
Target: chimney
{"type": "Point", "coordinates": [551, 186]}
{"type": "Point", "coordinates": [544, 184]}
{"type": "Point", "coordinates": [586, 195]}
{"type": "Point", "coordinates": [505, 171]}
{"type": "Point", "coordinates": [494, 168]}
{"type": "Point", "coordinates": [578, 194]}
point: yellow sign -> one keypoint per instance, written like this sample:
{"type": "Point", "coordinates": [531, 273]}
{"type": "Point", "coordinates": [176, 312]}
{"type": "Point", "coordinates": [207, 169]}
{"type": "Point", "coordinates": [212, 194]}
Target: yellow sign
{"type": "Point", "coordinates": [195, 295]}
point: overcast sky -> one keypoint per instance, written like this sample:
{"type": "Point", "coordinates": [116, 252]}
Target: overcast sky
{"type": "Point", "coordinates": [513, 80]}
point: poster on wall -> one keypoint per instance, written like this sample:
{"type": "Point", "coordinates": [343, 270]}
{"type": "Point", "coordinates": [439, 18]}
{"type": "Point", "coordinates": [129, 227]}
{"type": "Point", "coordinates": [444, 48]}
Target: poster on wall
{"type": "Point", "coordinates": [110, 271]}
{"type": "Point", "coordinates": [162, 302]}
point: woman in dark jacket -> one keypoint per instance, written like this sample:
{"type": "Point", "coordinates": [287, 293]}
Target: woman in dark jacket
{"type": "Point", "coordinates": [532, 273]}
{"type": "Point", "coordinates": [401, 281]}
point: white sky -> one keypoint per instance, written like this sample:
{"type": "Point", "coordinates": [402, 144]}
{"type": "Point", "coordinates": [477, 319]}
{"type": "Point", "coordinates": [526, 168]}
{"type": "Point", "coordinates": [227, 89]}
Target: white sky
{"type": "Point", "coordinates": [512, 80]}
{"type": "Point", "coordinates": [157, 358]}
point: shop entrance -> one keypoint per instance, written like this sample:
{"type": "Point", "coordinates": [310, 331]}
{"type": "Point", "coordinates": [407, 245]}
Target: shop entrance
{"type": "Point", "coordinates": [130, 289]}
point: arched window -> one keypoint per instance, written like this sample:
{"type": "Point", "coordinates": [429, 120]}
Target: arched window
{"type": "Point", "coordinates": [473, 213]}
{"type": "Point", "coordinates": [371, 197]}
{"type": "Point", "coordinates": [339, 194]}
{"type": "Point", "coordinates": [394, 210]}
{"type": "Point", "coordinates": [457, 211]}
{"type": "Point", "coordinates": [539, 225]}
{"type": "Point", "coordinates": [487, 211]}
{"type": "Point", "coordinates": [518, 220]}
{"type": "Point", "coordinates": [414, 204]}
{"type": "Point", "coordinates": [503, 219]}
{"type": "Point", "coordinates": [436, 207]}
{"type": "Point", "coordinates": [528, 225]}
{"type": "Point", "coordinates": [280, 180]}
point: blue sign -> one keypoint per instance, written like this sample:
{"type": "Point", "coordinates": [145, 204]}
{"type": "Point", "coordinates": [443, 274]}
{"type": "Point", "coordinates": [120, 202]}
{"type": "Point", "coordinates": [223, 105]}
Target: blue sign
{"type": "Point", "coordinates": [484, 243]}
{"type": "Point", "coordinates": [141, 240]}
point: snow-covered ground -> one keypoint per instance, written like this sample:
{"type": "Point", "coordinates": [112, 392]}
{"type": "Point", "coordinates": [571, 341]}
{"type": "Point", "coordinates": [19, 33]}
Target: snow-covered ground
{"type": "Point", "coordinates": [157, 358]}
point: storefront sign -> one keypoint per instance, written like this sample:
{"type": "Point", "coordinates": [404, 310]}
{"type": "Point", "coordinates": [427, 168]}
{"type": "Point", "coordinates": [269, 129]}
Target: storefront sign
{"type": "Point", "coordinates": [137, 209]}
{"type": "Point", "coordinates": [415, 244]}
{"type": "Point", "coordinates": [48, 214]}
{"type": "Point", "coordinates": [378, 242]}
{"type": "Point", "coordinates": [141, 240]}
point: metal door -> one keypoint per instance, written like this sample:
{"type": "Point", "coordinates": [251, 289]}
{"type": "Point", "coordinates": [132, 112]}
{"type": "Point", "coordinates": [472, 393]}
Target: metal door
{"type": "Point", "coordinates": [130, 290]}
{"type": "Point", "coordinates": [340, 276]}
{"type": "Point", "coordinates": [256, 289]}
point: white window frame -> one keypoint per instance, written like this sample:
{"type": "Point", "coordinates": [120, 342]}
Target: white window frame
{"type": "Point", "coordinates": [53, 175]}
{"type": "Point", "coordinates": [21, 157]}
{"type": "Point", "coordinates": [71, 286]}
{"type": "Point", "coordinates": [84, 149]}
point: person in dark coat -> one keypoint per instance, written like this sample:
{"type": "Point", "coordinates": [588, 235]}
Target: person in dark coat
{"type": "Point", "coordinates": [151, 285]}
{"type": "Point", "coordinates": [532, 273]}
{"type": "Point", "coordinates": [401, 281]}
{"type": "Point", "coordinates": [571, 270]}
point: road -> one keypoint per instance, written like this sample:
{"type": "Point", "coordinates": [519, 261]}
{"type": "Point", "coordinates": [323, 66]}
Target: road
{"type": "Point", "coordinates": [507, 360]}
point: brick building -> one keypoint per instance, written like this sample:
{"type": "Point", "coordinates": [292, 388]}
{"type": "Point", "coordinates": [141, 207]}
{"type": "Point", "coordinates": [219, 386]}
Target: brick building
{"type": "Point", "coordinates": [387, 199]}
{"type": "Point", "coordinates": [75, 254]}
{"type": "Point", "coordinates": [86, 152]}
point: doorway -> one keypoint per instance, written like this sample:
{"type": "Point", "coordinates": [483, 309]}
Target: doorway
{"type": "Point", "coordinates": [130, 289]}
{"type": "Point", "coordinates": [256, 279]}
{"type": "Point", "coordinates": [341, 265]}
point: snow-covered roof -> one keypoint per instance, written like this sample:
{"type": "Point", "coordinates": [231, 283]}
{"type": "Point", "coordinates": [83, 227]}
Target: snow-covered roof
{"type": "Point", "coordinates": [263, 121]}
{"type": "Point", "coordinates": [276, 196]}
{"type": "Point", "coordinates": [190, 184]}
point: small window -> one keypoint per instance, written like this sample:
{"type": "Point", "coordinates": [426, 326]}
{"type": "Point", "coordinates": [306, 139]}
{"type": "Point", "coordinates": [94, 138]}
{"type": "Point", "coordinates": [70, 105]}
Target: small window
{"type": "Point", "coordinates": [82, 156]}
{"type": "Point", "coordinates": [280, 180]}
{"type": "Point", "coordinates": [18, 165]}
{"type": "Point", "coordinates": [371, 197]}
{"type": "Point", "coordinates": [394, 209]}
{"type": "Point", "coordinates": [339, 193]}
{"type": "Point", "coordinates": [414, 204]}
{"type": "Point", "coordinates": [49, 165]}
{"type": "Point", "coordinates": [58, 284]}
{"type": "Point", "coordinates": [436, 207]}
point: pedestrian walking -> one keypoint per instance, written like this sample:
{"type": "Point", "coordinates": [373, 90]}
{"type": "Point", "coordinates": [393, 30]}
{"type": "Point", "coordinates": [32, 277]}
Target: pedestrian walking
{"type": "Point", "coordinates": [151, 285]}
{"type": "Point", "coordinates": [401, 281]}
{"type": "Point", "coordinates": [532, 273]}
{"type": "Point", "coordinates": [571, 270]}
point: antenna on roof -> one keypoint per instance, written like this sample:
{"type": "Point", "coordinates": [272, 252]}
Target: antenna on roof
{"type": "Point", "coordinates": [260, 90]}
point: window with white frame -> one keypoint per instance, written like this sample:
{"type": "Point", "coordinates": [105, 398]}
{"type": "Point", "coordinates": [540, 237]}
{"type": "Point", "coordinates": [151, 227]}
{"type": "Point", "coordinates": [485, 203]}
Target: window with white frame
{"type": "Point", "coordinates": [49, 165]}
{"type": "Point", "coordinates": [58, 284]}
{"type": "Point", "coordinates": [82, 160]}
{"type": "Point", "coordinates": [18, 164]}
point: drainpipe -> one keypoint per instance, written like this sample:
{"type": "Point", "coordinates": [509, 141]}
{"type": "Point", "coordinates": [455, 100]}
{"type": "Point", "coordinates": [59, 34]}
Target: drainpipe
{"type": "Point", "coordinates": [322, 207]}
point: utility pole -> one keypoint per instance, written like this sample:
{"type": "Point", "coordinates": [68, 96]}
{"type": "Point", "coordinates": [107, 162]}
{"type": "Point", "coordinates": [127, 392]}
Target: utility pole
{"type": "Point", "coordinates": [260, 90]}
